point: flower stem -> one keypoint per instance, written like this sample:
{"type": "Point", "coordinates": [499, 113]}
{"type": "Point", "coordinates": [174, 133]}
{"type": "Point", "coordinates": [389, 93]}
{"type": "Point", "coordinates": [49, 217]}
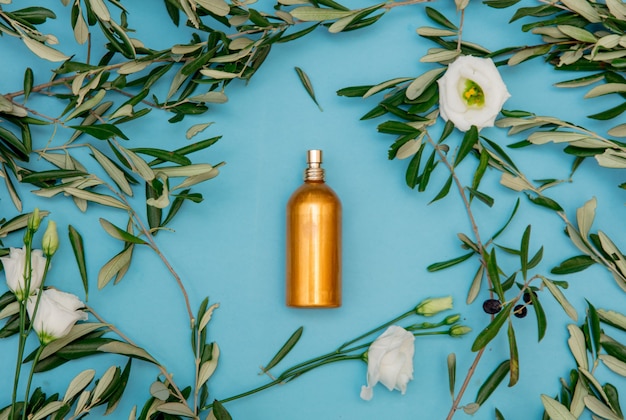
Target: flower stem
{"type": "Point", "coordinates": [293, 374]}
{"type": "Point", "coordinates": [23, 333]}
{"type": "Point", "coordinates": [30, 378]}
{"type": "Point", "coordinates": [379, 328]}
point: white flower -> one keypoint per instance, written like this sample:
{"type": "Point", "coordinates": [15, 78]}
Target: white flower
{"type": "Point", "coordinates": [390, 361]}
{"type": "Point", "coordinates": [14, 271]}
{"type": "Point", "coordinates": [56, 314]}
{"type": "Point", "coordinates": [471, 92]}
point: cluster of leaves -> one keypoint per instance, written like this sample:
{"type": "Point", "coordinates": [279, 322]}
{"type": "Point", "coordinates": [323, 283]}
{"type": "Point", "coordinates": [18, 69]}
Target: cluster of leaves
{"type": "Point", "coordinates": [99, 99]}
{"type": "Point", "coordinates": [78, 401]}
{"type": "Point", "coordinates": [168, 400]}
{"type": "Point", "coordinates": [590, 347]}
{"type": "Point", "coordinates": [580, 35]}
{"type": "Point", "coordinates": [411, 106]}
{"type": "Point", "coordinates": [84, 340]}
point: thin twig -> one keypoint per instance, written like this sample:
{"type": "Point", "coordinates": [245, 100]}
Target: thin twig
{"type": "Point", "coordinates": [124, 337]}
{"type": "Point", "coordinates": [468, 377]}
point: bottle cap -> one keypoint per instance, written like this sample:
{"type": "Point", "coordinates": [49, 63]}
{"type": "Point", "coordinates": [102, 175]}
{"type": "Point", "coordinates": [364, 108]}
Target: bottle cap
{"type": "Point", "coordinates": [314, 158]}
{"type": "Point", "coordinates": [314, 171]}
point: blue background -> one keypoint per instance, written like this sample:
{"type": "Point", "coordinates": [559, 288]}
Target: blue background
{"type": "Point", "coordinates": [231, 246]}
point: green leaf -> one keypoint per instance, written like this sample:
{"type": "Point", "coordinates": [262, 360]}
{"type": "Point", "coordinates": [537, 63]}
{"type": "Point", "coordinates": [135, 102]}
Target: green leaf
{"type": "Point", "coordinates": [126, 349]}
{"type": "Point", "coordinates": [613, 112]}
{"type": "Point", "coordinates": [105, 200]}
{"type": "Point", "coordinates": [17, 148]}
{"type": "Point", "coordinates": [573, 265]}
{"type": "Point", "coordinates": [449, 263]}
{"type": "Point", "coordinates": [524, 252]}
{"type": "Point", "coordinates": [583, 8]}
{"type": "Point", "coordinates": [52, 175]}
{"type": "Point", "coordinates": [177, 409]}
{"type": "Point", "coordinates": [116, 265]}
{"type": "Point", "coordinates": [118, 391]}
{"type": "Point", "coordinates": [79, 253]}
{"type": "Point", "coordinates": [492, 382]}
{"type": "Point", "coordinates": [159, 391]}
{"type": "Point", "coordinates": [139, 165]}
{"type": "Point", "coordinates": [555, 409]}
{"type": "Point", "coordinates": [494, 274]}
{"type": "Point", "coordinates": [577, 33]}
{"type": "Point", "coordinates": [451, 373]}
{"type": "Point", "coordinates": [153, 213]}
{"type": "Point", "coordinates": [220, 412]}
{"type": "Point", "coordinates": [545, 202]}
{"type": "Point", "coordinates": [613, 347]}
{"type": "Point", "coordinates": [421, 83]}
{"type": "Point", "coordinates": [594, 327]}
{"type": "Point", "coordinates": [599, 408]}
{"type": "Point", "coordinates": [47, 410]}
{"type": "Point", "coordinates": [440, 19]}
{"type": "Point", "coordinates": [285, 349]}
{"type": "Point", "coordinates": [298, 34]}
{"type": "Point", "coordinates": [316, 14]}
{"type": "Point", "coordinates": [476, 284]}
{"type": "Point", "coordinates": [514, 361]}
{"type": "Point", "coordinates": [80, 382]}
{"type": "Point", "coordinates": [101, 131]}
{"type": "Point", "coordinates": [28, 82]}
{"type": "Point", "coordinates": [117, 175]}
{"type": "Point", "coordinates": [470, 139]}
{"type": "Point", "coordinates": [208, 368]}
{"type": "Point", "coordinates": [120, 234]}
{"type": "Point", "coordinates": [542, 322]}
{"type": "Point", "coordinates": [576, 342]}
{"type": "Point", "coordinates": [308, 86]}
{"type": "Point", "coordinates": [444, 190]}
{"type": "Point", "coordinates": [488, 200]}
{"type": "Point", "coordinates": [612, 318]}
{"type": "Point", "coordinates": [163, 155]}
{"type": "Point", "coordinates": [491, 330]}
{"type": "Point", "coordinates": [561, 299]}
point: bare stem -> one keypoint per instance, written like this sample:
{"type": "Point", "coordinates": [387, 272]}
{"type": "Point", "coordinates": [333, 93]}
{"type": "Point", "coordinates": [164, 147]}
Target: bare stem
{"type": "Point", "coordinates": [462, 21]}
{"type": "Point", "coordinates": [481, 250]}
{"type": "Point", "coordinates": [468, 377]}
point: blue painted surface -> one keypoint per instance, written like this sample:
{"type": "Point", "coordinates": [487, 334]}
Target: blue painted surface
{"type": "Point", "coordinates": [231, 246]}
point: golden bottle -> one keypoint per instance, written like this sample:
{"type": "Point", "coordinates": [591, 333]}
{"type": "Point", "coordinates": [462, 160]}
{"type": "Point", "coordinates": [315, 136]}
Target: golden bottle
{"type": "Point", "coordinates": [314, 241]}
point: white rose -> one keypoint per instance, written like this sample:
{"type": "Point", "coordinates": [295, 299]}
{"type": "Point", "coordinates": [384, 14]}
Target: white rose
{"type": "Point", "coordinates": [56, 314]}
{"type": "Point", "coordinates": [14, 271]}
{"type": "Point", "coordinates": [390, 361]}
{"type": "Point", "coordinates": [471, 92]}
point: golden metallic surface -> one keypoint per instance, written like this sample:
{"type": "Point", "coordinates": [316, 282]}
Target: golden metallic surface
{"type": "Point", "coordinates": [314, 247]}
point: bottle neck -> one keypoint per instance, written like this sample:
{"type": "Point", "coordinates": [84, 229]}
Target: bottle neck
{"type": "Point", "coordinates": [314, 174]}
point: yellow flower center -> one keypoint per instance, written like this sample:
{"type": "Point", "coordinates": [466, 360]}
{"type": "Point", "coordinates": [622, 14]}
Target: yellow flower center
{"type": "Point", "coordinates": [473, 94]}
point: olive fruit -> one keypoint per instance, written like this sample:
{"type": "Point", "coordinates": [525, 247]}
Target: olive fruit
{"type": "Point", "coordinates": [527, 297]}
{"type": "Point", "coordinates": [520, 311]}
{"type": "Point", "coordinates": [492, 306]}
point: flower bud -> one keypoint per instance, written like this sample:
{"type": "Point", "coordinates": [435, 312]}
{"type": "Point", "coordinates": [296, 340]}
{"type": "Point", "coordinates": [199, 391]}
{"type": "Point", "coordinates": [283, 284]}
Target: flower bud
{"type": "Point", "coordinates": [430, 307]}
{"type": "Point", "coordinates": [459, 330]}
{"type": "Point", "coordinates": [452, 319]}
{"type": "Point", "coordinates": [34, 220]}
{"type": "Point", "coordinates": [50, 241]}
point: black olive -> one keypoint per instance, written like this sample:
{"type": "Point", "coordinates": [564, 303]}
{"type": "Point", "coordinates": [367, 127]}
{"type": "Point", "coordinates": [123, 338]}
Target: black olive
{"type": "Point", "coordinates": [527, 297]}
{"type": "Point", "coordinates": [520, 311]}
{"type": "Point", "coordinates": [492, 306]}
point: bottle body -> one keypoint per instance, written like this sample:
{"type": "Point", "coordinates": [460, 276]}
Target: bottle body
{"type": "Point", "coordinates": [313, 247]}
